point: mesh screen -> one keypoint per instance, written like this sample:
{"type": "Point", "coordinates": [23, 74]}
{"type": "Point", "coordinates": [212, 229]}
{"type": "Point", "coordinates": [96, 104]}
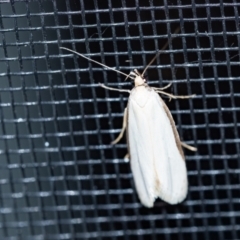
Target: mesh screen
{"type": "Point", "coordinates": [60, 178]}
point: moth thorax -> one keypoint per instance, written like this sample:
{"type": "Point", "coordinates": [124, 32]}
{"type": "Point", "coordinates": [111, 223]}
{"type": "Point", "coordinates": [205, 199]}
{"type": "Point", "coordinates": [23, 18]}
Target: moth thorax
{"type": "Point", "coordinates": [139, 81]}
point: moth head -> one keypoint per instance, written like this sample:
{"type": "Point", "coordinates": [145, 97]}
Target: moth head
{"type": "Point", "coordinates": [137, 77]}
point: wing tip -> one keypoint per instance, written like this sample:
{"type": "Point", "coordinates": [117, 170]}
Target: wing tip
{"type": "Point", "coordinates": [173, 200]}
{"type": "Point", "coordinates": [148, 204]}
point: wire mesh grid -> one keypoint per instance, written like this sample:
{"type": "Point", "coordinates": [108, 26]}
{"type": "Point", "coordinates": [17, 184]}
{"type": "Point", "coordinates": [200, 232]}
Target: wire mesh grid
{"type": "Point", "coordinates": [59, 176]}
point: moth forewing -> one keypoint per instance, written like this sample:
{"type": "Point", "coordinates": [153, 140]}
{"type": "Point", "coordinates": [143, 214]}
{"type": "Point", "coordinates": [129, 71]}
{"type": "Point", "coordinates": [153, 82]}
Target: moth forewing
{"type": "Point", "coordinates": [157, 160]}
{"type": "Point", "coordinates": [174, 129]}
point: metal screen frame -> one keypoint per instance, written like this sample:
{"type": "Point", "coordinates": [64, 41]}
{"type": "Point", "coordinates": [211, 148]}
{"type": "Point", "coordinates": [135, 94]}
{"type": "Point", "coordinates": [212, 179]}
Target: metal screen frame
{"type": "Point", "coordinates": [60, 178]}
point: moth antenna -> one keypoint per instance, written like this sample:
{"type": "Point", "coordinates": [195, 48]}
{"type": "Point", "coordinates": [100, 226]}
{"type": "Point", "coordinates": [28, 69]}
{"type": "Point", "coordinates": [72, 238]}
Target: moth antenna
{"type": "Point", "coordinates": [163, 48]}
{"type": "Point", "coordinates": [234, 56]}
{"type": "Point", "coordinates": [89, 59]}
{"type": "Point", "coordinates": [128, 76]}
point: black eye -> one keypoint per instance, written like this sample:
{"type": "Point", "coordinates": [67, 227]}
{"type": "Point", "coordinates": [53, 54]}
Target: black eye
{"type": "Point", "coordinates": [145, 76]}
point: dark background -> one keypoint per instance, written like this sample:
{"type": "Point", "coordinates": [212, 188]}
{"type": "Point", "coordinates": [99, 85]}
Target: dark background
{"type": "Point", "coordinates": [59, 176]}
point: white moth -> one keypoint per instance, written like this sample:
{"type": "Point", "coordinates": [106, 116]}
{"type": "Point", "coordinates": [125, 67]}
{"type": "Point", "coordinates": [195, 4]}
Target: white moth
{"type": "Point", "coordinates": [155, 150]}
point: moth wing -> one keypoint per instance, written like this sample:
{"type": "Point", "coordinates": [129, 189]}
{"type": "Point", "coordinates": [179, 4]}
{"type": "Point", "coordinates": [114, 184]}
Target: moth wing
{"type": "Point", "coordinates": [157, 160]}
{"type": "Point", "coordinates": [176, 191]}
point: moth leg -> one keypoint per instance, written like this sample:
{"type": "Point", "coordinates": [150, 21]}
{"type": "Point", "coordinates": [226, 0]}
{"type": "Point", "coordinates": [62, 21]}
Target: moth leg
{"type": "Point", "coordinates": [188, 147]}
{"type": "Point", "coordinates": [163, 88]}
{"type": "Point", "coordinates": [175, 96]}
{"type": "Point", "coordinates": [113, 89]}
{"type": "Point", "coordinates": [124, 125]}
{"type": "Point", "coordinates": [126, 157]}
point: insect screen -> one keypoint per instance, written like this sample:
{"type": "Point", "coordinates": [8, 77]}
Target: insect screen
{"type": "Point", "coordinates": [60, 178]}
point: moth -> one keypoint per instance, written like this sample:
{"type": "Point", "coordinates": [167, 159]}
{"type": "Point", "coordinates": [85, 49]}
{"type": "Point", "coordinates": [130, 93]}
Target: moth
{"type": "Point", "coordinates": [155, 149]}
